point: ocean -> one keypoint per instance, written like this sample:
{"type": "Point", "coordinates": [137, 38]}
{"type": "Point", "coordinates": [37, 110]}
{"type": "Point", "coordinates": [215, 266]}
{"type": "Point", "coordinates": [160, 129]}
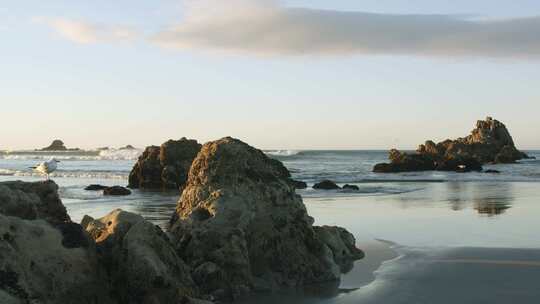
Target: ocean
{"type": "Point", "coordinates": [426, 217]}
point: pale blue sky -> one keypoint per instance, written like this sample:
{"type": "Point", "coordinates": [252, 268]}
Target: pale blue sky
{"type": "Point", "coordinates": [112, 93]}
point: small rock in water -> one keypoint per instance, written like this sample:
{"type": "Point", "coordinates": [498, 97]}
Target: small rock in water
{"type": "Point", "coordinates": [298, 184]}
{"type": "Point", "coordinates": [95, 187]}
{"type": "Point", "coordinates": [351, 187]}
{"type": "Point", "coordinates": [492, 171]}
{"type": "Point", "coordinates": [116, 190]}
{"type": "Point", "coordinates": [326, 185]}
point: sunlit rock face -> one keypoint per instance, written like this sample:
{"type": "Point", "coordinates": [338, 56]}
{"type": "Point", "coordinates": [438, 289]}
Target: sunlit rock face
{"type": "Point", "coordinates": [240, 225]}
{"type": "Point", "coordinates": [164, 167]}
{"type": "Point", "coordinates": [44, 257]}
{"type": "Point", "coordinates": [142, 264]}
{"type": "Point", "coordinates": [489, 142]}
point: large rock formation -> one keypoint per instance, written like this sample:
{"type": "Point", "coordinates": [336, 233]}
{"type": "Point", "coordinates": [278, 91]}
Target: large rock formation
{"type": "Point", "coordinates": [240, 225]}
{"type": "Point", "coordinates": [56, 145]}
{"type": "Point", "coordinates": [32, 201]}
{"type": "Point", "coordinates": [164, 167]}
{"type": "Point", "coordinates": [44, 257]}
{"type": "Point", "coordinates": [489, 142]}
{"type": "Point", "coordinates": [142, 265]}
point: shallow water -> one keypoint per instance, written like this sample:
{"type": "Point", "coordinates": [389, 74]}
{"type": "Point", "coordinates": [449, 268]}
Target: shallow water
{"type": "Point", "coordinates": [455, 232]}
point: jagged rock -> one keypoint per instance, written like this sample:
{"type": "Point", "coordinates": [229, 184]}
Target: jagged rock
{"type": "Point", "coordinates": [298, 184]}
{"type": "Point", "coordinates": [242, 227]}
{"type": "Point", "coordinates": [142, 263]}
{"type": "Point", "coordinates": [342, 244]}
{"type": "Point", "coordinates": [116, 191]}
{"type": "Point", "coordinates": [44, 257]}
{"type": "Point", "coordinates": [56, 145]}
{"type": "Point", "coordinates": [164, 167]}
{"type": "Point", "coordinates": [38, 200]}
{"type": "Point", "coordinates": [95, 187]}
{"type": "Point", "coordinates": [326, 185]}
{"type": "Point", "coordinates": [351, 187]}
{"type": "Point", "coordinates": [489, 142]}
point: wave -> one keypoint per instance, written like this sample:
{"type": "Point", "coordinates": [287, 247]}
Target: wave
{"type": "Point", "coordinates": [69, 174]}
{"type": "Point", "coordinates": [283, 153]}
{"type": "Point", "coordinates": [112, 154]}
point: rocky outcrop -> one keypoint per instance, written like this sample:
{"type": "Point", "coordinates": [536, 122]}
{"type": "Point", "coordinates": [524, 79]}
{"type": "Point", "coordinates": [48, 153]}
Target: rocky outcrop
{"type": "Point", "coordinates": [298, 184]}
{"type": "Point", "coordinates": [116, 191]}
{"type": "Point", "coordinates": [164, 167]}
{"type": "Point", "coordinates": [350, 187]}
{"type": "Point", "coordinates": [241, 227]}
{"type": "Point", "coordinates": [95, 187]}
{"type": "Point", "coordinates": [32, 201]}
{"type": "Point", "coordinates": [56, 145]}
{"type": "Point", "coordinates": [489, 142]}
{"type": "Point", "coordinates": [142, 265]}
{"type": "Point", "coordinates": [326, 185]}
{"type": "Point", "coordinates": [44, 257]}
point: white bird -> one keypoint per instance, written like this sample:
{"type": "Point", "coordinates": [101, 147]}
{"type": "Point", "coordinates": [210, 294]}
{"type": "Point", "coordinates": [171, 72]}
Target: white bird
{"type": "Point", "coordinates": [47, 167]}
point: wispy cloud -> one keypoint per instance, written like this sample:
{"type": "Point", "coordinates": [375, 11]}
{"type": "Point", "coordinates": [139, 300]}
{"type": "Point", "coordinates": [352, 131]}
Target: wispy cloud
{"type": "Point", "coordinates": [88, 33]}
{"type": "Point", "coordinates": [265, 27]}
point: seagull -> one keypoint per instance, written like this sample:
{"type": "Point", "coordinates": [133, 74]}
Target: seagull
{"type": "Point", "coordinates": [47, 167]}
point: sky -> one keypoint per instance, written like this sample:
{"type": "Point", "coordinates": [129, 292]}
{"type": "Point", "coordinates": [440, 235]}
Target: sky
{"type": "Point", "coordinates": [341, 74]}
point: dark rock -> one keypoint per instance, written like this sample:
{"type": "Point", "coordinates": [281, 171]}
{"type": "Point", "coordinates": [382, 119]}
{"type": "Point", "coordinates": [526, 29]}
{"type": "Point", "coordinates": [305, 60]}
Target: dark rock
{"type": "Point", "coordinates": [326, 185]}
{"type": "Point", "coordinates": [489, 142]}
{"type": "Point", "coordinates": [128, 147]}
{"type": "Point", "coordinates": [351, 187]}
{"type": "Point", "coordinates": [56, 145]}
{"type": "Point", "coordinates": [116, 190]}
{"type": "Point", "coordinates": [141, 261]}
{"type": "Point", "coordinates": [73, 235]}
{"type": "Point", "coordinates": [492, 171]}
{"type": "Point", "coordinates": [298, 184]}
{"type": "Point", "coordinates": [95, 187]}
{"type": "Point", "coordinates": [164, 167]}
{"type": "Point", "coordinates": [241, 226]}
{"type": "Point", "coordinates": [36, 200]}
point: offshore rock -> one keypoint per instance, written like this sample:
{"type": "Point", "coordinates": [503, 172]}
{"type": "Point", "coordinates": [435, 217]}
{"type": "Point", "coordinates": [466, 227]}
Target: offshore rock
{"type": "Point", "coordinates": [56, 145]}
{"type": "Point", "coordinates": [489, 142]}
{"type": "Point", "coordinates": [326, 185]}
{"type": "Point", "coordinates": [240, 225]}
{"type": "Point", "coordinates": [164, 167]}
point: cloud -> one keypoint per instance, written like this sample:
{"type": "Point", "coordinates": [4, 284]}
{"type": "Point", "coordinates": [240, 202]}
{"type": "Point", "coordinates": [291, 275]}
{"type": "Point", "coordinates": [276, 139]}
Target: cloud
{"type": "Point", "coordinates": [265, 27]}
{"type": "Point", "coordinates": [88, 33]}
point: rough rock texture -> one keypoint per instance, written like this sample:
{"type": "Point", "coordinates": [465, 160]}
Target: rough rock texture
{"type": "Point", "coordinates": [241, 226]}
{"type": "Point", "coordinates": [489, 142]}
{"type": "Point", "coordinates": [142, 264]}
{"type": "Point", "coordinates": [164, 167]}
{"type": "Point", "coordinates": [32, 201]}
{"type": "Point", "coordinates": [56, 145]}
{"type": "Point", "coordinates": [116, 191]}
{"type": "Point", "coordinates": [44, 257]}
{"type": "Point", "coordinates": [326, 185]}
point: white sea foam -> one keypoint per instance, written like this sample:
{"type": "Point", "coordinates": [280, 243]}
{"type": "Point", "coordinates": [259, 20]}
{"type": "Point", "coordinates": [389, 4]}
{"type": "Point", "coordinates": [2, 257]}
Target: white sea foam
{"type": "Point", "coordinates": [112, 154]}
{"type": "Point", "coordinates": [283, 152]}
{"type": "Point", "coordinates": [68, 174]}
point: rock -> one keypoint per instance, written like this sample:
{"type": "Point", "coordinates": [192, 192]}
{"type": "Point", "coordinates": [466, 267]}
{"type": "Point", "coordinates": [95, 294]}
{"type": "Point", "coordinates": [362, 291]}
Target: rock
{"type": "Point", "coordinates": [56, 145]}
{"type": "Point", "coordinates": [164, 167]}
{"type": "Point", "coordinates": [489, 142]}
{"type": "Point", "coordinates": [342, 244]}
{"type": "Point", "coordinates": [140, 259]}
{"type": "Point", "coordinates": [95, 187]}
{"type": "Point", "coordinates": [490, 171]}
{"type": "Point", "coordinates": [351, 187]}
{"type": "Point", "coordinates": [128, 147]}
{"type": "Point", "coordinates": [326, 185]}
{"type": "Point", "coordinates": [298, 184]}
{"type": "Point", "coordinates": [116, 191]}
{"type": "Point", "coordinates": [37, 200]}
{"type": "Point", "coordinates": [240, 225]}
{"type": "Point", "coordinates": [44, 257]}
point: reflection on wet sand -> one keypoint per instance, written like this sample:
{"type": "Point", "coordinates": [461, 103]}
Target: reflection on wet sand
{"type": "Point", "coordinates": [488, 199]}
